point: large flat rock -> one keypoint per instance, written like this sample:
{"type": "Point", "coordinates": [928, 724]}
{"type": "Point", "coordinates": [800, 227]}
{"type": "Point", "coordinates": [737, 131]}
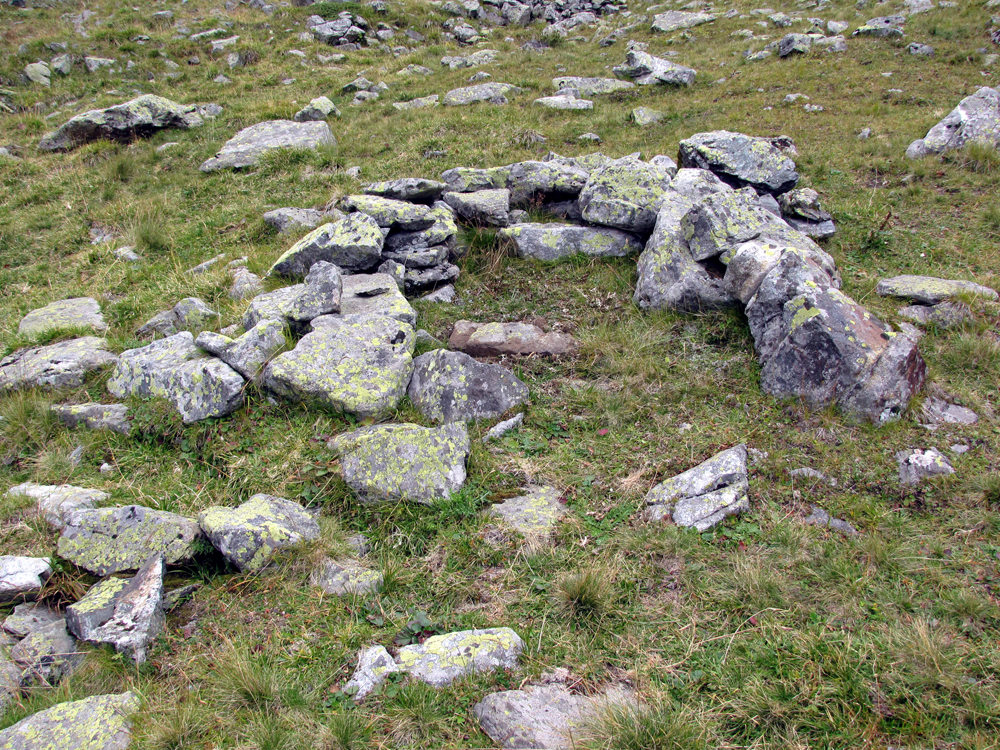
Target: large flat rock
{"type": "Point", "coordinates": [78, 312]}
{"type": "Point", "coordinates": [246, 147]}
{"type": "Point", "coordinates": [353, 243]}
{"type": "Point", "coordinates": [496, 339]}
{"type": "Point", "coordinates": [740, 160]}
{"type": "Point", "coordinates": [54, 501]}
{"type": "Point", "coordinates": [101, 722]}
{"type": "Point", "coordinates": [62, 365]}
{"type": "Point", "coordinates": [555, 241]}
{"type": "Point", "coordinates": [927, 290]}
{"type": "Point", "coordinates": [442, 659]}
{"type": "Point", "coordinates": [453, 387]}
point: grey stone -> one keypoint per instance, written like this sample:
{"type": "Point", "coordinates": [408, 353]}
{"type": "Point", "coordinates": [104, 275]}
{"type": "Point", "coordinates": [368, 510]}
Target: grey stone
{"type": "Point", "coordinates": [675, 20]}
{"type": "Point", "coordinates": [94, 64]}
{"type": "Point", "coordinates": [466, 180]}
{"type": "Point", "coordinates": [644, 116]}
{"type": "Point", "coordinates": [452, 387]}
{"type": "Point", "coordinates": [206, 265]}
{"type": "Point", "coordinates": [647, 70]}
{"type": "Point", "coordinates": [442, 659]}
{"type": "Point", "coordinates": [414, 70]}
{"type": "Point", "coordinates": [927, 290]}
{"type": "Point", "coordinates": [917, 465]}
{"type": "Point", "coordinates": [374, 665]}
{"type": "Point", "coordinates": [319, 108]}
{"type": "Point", "coordinates": [704, 495]}
{"type": "Point", "coordinates": [123, 122]}
{"type": "Point", "coordinates": [884, 26]}
{"type": "Point", "coordinates": [246, 147]}
{"type": "Point", "coordinates": [38, 72]}
{"type": "Point", "coordinates": [976, 118]}
{"type": "Point", "coordinates": [554, 241]}
{"type": "Point", "coordinates": [695, 184]}
{"type": "Point", "coordinates": [394, 462]}
{"type": "Point", "coordinates": [502, 428]}
{"type": "Point", "coordinates": [245, 284]}
{"type": "Point", "coordinates": [46, 655]}
{"type": "Point", "coordinates": [564, 102]}
{"type": "Point", "coordinates": [343, 577]}
{"type": "Point", "coordinates": [530, 182]}
{"type": "Point", "coordinates": [194, 313]}
{"type": "Point", "coordinates": [250, 352]}
{"type": "Point", "coordinates": [274, 305]}
{"type": "Point", "coordinates": [354, 244]}
{"type": "Point", "coordinates": [412, 189]}
{"type": "Point", "coordinates": [740, 160]}
{"type": "Point", "coordinates": [55, 501]}
{"type": "Point", "coordinates": [445, 295]}
{"type": "Point", "coordinates": [625, 194]}
{"type": "Point", "coordinates": [937, 411]}
{"type": "Point", "coordinates": [62, 365]}
{"type": "Point", "coordinates": [475, 60]}
{"type": "Point", "coordinates": [101, 722]}
{"type": "Point", "coordinates": [794, 44]}
{"type": "Point", "coordinates": [320, 295]}
{"type": "Point", "coordinates": [165, 323]}
{"type": "Point", "coordinates": [288, 220]}
{"type": "Point", "coordinates": [943, 314]}
{"type": "Point", "coordinates": [495, 93]}
{"type": "Point", "coordinates": [534, 514]}
{"type": "Point", "coordinates": [748, 266]}
{"type": "Point", "coordinates": [400, 215]}
{"type": "Point", "coordinates": [249, 535]}
{"type": "Point", "coordinates": [497, 339]}
{"type": "Point", "coordinates": [79, 312]}
{"type": "Point", "coordinates": [489, 207]}
{"type": "Point", "coordinates": [516, 14]}
{"type": "Point", "coordinates": [419, 103]}
{"type": "Point", "coordinates": [29, 617]}
{"type": "Point", "coordinates": [592, 86]}
{"type": "Point", "coordinates": [373, 294]}
{"type": "Point", "coordinates": [922, 50]}
{"type": "Point", "coordinates": [819, 517]}
{"type": "Point", "coordinates": [174, 599]}
{"type": "Point", "coordinates": [418, 279]}
{"type": "Point", "coordinates": [837, 27]}
{"type": "Point", "coordinates": [22, 578]}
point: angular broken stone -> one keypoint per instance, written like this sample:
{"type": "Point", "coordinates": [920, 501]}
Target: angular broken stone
{"type": "Point", "coordinates": [482, 92]}
{"type": "Point", "coordinates": [943, 314]}
{"type": "Point", "coordinates": [354, 243]}
{"type": "Point", "coordinates": [195, 313]}
{"type": "Point", "coordinates": [625, 194]}
{"type": "Point", "coordinates": [319, 108]}
{"type": "Point", "coordinates": [976, 118]}
{"type": "Point", "coordinates": [288, 220]}
{"type": "Point", "coordinates": [55, 501]}
{"type": "Point", "coordinates": [495, 339]}
{"type": "Point", "coordinates": [29, 617]}
{"type": "Point", "coordinates": [937, 411]}
{"type": "Point", "coordinates": [62, 365]}
{"type": "Point", "coordinates": [927, 290]}
{"type": "Point", "coordinates": [101, 722]}
{"type": "Point", "coordinates": [647, 70]}
{"type": "Point", "coordinates": [917, 465]}
{"type": "Point", "coordinates": [740, 160]}
{"type": "Point", "coordinates": [22, 578]}
{"type": "Point", "coordinates": [250, 352]}
{"type": "Point", "coordinates": [46, 655]}
{"type": "Point", "coordinates": [554, 241]}
{"type": "Point", "coordinates": [674, 20]}
{"type": "Point", "coordinates": [592, 86]}
{"type": "Point", "coordinates": [374, 294]}
{"type": "Point", "coordinates": [246, 147]}
{"type": "Point", "coordinates": [412, 189]}
{"type": "Point", "coordinates": [391, 213]}
{"type": "Point", "coordinates": [704, 495]}
{"type": "Point", "coordinates": [374, 665]}
{"type": "Point", "coordinates": [500, 429]}
{"type": "Point", "coordinates": [79, 312]}
{"type": "Point", "coordinates": [533, 514]}
{"type": "Point", "coordinates": [342, 577]}
{"type": "Point", "coordinates": [819, 517]}
{"type": "Point", "coordinates": [249, 535]}
{"type": "Point", "coordinates": [442, 659]}
{"type": "Point", "coordinates": [491, 207]}
{"type": "Point", "coordinates": [112, 417]}
{"type": "Point", "coordinates": [452, 387]}
{"type": "Point", "coordinates": [393, 462]}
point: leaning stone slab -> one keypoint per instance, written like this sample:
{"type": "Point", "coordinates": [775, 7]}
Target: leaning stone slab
{"type": "Point", "coordinates": [22, 578]}
{"type": "Point", "coordinates": [391, 213]}
{"type": "Point", "coordinates": [354, 244]}
{"type": "Point", "coordinates": [534, 514]}
{"type": "Point", "coordinates": [927, 290]}
{"type": "Point", "coordinates": [625, 194]}
{"type": "Point", "coordinates": [375, 294]}
{"type": "Point", "coordinates": [495, 339]}
{"type": "Point", "coordinates": [374, 665]}
{"type": "Point", "coordinates": [249, 535]}
{"type": "Point", "coordinates": [393, 462]}
{"type": "Point", "coordinates": [112, 417]}
{"type": "Point", "coordinates": [592, 86]}
{"type": "Point", "coordinates": [246, 147]}
{"type": "Point", "coordinates": [62, 365]}
{"type": "Point", "coordinates": [740, 160]}
{"type": "Point", "coordinates": [647, 70]}
{"type": "Point", "coordinates": [917, 465]}
{"type": "Point", "coordinates": [554, 241]}
{"type": "Point", "coordinates": [674, 20]}
{"type": "Point", "coordinates": [703, 496]}
{"type": "Point", "coordinates": [495, 93]}
{"type": "Point", "coordinates": [248, 353]}
{"type": "Point", "coordinates": [442, 659]}
{"type": "Point", "coordinates": [101, 722]}
{"type": "Point", "coordinates": [29, 617]}
{"type": "Point", "coordinates": [490, 207]}
{"type": "Point", "coordinates": [55, 501]}
{"type": "Point", "coordinates": [137, 118]}
{"type": "Point", "coordinates": [79, 312]}
{"type": "Point", "coordinates": [976, 118]}
{"type": "Point", "coordinates": [412, 189]}
{"type": "Point", "coordinates": [109, 540]}
{"type": "Point", "coordinates": [454, 387]}
{"type": "Point", "coordinates": [342, 577]}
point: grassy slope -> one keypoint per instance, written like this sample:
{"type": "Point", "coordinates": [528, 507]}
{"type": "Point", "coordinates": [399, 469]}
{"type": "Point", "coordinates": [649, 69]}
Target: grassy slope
{"type": "Point", "coordinates": [765, 633]}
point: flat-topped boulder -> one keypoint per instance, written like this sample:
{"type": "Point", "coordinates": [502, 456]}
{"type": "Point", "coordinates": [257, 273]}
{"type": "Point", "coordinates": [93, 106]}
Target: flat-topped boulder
{"type": "Point", "coordinates": [495, 339]}
{"type": "Point", "coordinates": [112, 417]}
{"type": "Point", "coordinates": [247, 354]}
{"type": "Point", "coordinates": [22, 578]}
{"type": "Point", "coordinates": [647, 70]}
{"type": "Point", "coordinates": [442, 659]}
{"type": "Point", "coordinates": [354, 244]}
{"type": "Point", "coordinates": [65, 364]}
{"type": "Point", "coordinates": [625, 194]}
{"type": "Point", "coordinates": [489, 207]}
{"type": "Point", "coordinates": [55, 501]}
{"type": "Point", "coordinates": [390, 213]}
{"type": "Point", "coordinates": [976, 118]}
{"type": "Point", "coordinates": [740, 160]}
{"type": "Point", "coordinates": [453, 387]}
{"type": "Point", "coordinates": [101, 722]}
{"type": "Point", "coordinates": [246, 147]}
{"type": "Point", "coordinates": [592, 86]}
{"type": "Point", "coordinates": [79, 312]}
{"type": "Point", "coordinates": [375, 294]}
{"type": "Point", "coordinates": [704, 495]}
{"type": "Point", "coordinates": [494, 93]}
{"type": "Point", "coordinates": [412, 189]}
{"type": "Point", "coordinates": [675, 20]}
{"type": "Point", "coordinates": [555, 241]}
{"type": "Point", "coordinates": [27, 618]}
{"type": "Point", "coordinates": [927, 290]}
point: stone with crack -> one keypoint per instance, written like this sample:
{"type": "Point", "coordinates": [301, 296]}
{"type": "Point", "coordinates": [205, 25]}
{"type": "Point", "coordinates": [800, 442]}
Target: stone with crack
{"type": "Point", "coordinates": [54, 502]}
{"type": "Point", "coordinates": [452, 386]}
{"type": "Point", "coordinates": [442, 659]}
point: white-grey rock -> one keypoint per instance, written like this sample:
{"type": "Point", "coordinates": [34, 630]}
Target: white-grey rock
{"type": "Point", "coordinates": [246, 147]}
{"type": "Point", "coordinates": [453, 387]}
{"type": "Point", "coordinates": [555, 241]}
{"type": "Point", "coordinates": [101, 722]}
{"type": "Point", "coordinates": [442, 659]}
{"type": "Point", "coordinates": [22, 578]}
{"type": "Point", "coordinates": [502, 428]}
{"type": "Point", "coordinates": [343, 577]}
{"type": "Point", "coordinates": [937, 411]}
{"type": "Point", "coordinates": [353, 244]}
{"type": "Point", "coordinates": [917, 465]}
{"type": "Point", "coordinates": [250, 352]}
{"type": "Point", "coordinates": [55, 501]}
{"type": "Point", "coordinates": [704, 495]}
{"type": "Point", "coordinates": [374, 665]}
{"type": "Point", "coordinates": [62, 365]}
{"type": "Point", "coordinates": [79, 312]}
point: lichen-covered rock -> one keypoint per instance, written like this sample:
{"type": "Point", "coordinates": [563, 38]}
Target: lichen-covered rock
{"type": "Point", "coordinates": [164, 322]}
{"type": "Point", "coordinates": [79, 312]}
{"type": "Point", "coordinates": [976, 118]}
{"type": "Point", "coordinates": [391, 213]}
{"type": "Point", "coordinates": [373, 294]}
{"type": "Point", "coordinates": [491, 207]}
{"type": "Point", "coordinates": [943, 315]}
{"type": "Point", "coordinates": [101, 722]}
{"type": "Point", "coordinates": [554, 241]}
{"type": "Point", "coordinates": [374, 665]}
{"type": "Point", "coordinates": [342, 577]}
{"type": "Point", "coordinates": [354, 244]}
{"type": "Point", "coordinates": [625, 194]}
{"type": "Point", "coordinates": [592, 86]}
{"type": "Point", "coordinates": [704, 495]}
{"type": "Point", "coordinates": [647, 70]}
{"type": "Point", "coordinates": [130, 619]}
{"type": "Point", "coordinates": [412, 189]}
{"type": "Point", "coordinates": [62, 365]}
{"type": "Point", "coordinates": [55, 501]}
{"type": "Point", "coordinates": [819, 517]}
{"type": "Point", "coordinates": [194, 313]}
{"type": "Point", "coordinates": [482, 57]}
{"type": "Point", "coordinates": [321, 294]}
{"type": "Point", "coordinates": [794, 44]}
{"type": "Point", "coordinates": [246, 147]}
{"type": "Point", "coordinates": [248, 353]}
{"type": "Point", "coordinates": [442, 659]}
{"type": "Point", "coordinates": [46, 655]}
{"type": "Point", "coordinates": [288, 220]}
{"type": "Point", "coordinates": [452, 387]}
{"type": "Point", "coordinates": [495, 93]}
{"type": "Point", "coordinates": [109, 540]}
{"type": "Point", "coordinates": [249, 535]}
{"type": "Point", "coordinates": [29, 617]}
{"type": "Point", "coordinates": [740, 160]}
{"type": "Point", "coordinates": [138, 118]}
{"type": "Point", "coordinates": [917, 465]}
{"type": "Point", "coordinates": [532, 181]}
{"type": "Point", "coordinates": [393, 462]}
{"type": "Point", "coordinates": [695, 184]}
{"type": "Point", "coordinates": [674, 20]}
{"type": "Point", "coordinates": [927, 290]}
{"type": "Point", "coordinates": [533, 514]}
{"type": "Point", "coordinates": [319, 108]}
{"type": "Point", "coordinates": [496, 339]}
{"type": "Point", "coordinates": [567, 99]}
{"type": "Point", "coordinates": [22, 578]}
{"type": "Point", "coordinates": [112, 417]}
{"type": "Point", "coordinates": [883, 26]}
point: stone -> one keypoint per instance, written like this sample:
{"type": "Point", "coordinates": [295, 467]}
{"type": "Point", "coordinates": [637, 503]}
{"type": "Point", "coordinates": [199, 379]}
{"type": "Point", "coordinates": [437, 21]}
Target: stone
{"type": "Point", "coordinates": [63, 365]}
{"type": "Point", "coordinates": [194, 313]}
{"type": "Point", "coordinates": [819, 517]}
{"type": "Point", "coordinates": [921, 50]}
{"type": "Point", "coordinates": [246, 147]}
{"type": "Point", "coordinates": [704, 495]}
{"type": "Point", "coordinates": [165, 323]}
{"type": "Point", "coordinates": [695, 184]}
{"type": "Point", "coordinates": [343, 577]}
{"type": "Point", "coordinates": [109, 540]}
{"type": "Point", "coordinates": [112, 417]}
{"type": "Point", "coordinates": [374, 294]}
{"type": "Point", "coordinates": [497, 339]}
{"type": "Point", "coordinates": [592, 86]}
{"type": "Point", "coordinates": [564, 102]}
{"type": "Point", "coordinates": [555, 241]}
{"type": "Point", "coordinates": [359, 364]}
{"type": "Point", "coordinates": [29, 617]}
{"type": "Point", "coordinates": [837, 27]}
{"type": "Point", "coordinates": [534, 514]}
{"type": "Point", "coordinates": [794, 44]}
{"type": "Point", "coordinates": [250, 352]}
{"type": "Point", "coordinates": [38, 72]}
{"type": "Point", "coordinates": [740, 160]}
{"type": "Point", "coordinates": [137, 118]}
{"type": "Point", "coordinates": [415, 70]}
{"type": "Point", "coordinates": [445, 295]}
{"type": "Point", "coordinates": [403, 462]}
{"type": "Point", "coordinates": [54, 502]}
{"type": "Point", "coordinates": [453, 387]}
{"type": "Point", "coordinates": [320, 295]}
{"type": "Point", "coordinates": [419, 279]}
{"type": "Point", "coordinates": [94, 64]}
{"type": "Point", "coordinates": [647, 70]}
{"type": "Point", "coordinates": [531, 182]}
{"type": "Point", "coordinates": [353, 244]}
{"type": "Point", "coordinates": [374, 665]}
{"type": "Point", "coordinates": [317, 109]}
{"type": "Point", "coordinates": [388, 213]}
{"type": "Point", "coordinates": [249, 535]}
{"type": "Point", "coordinates": [490, 207]}
{"type": "Point", "coordinates": [516, 14]}
{"type": "Point", "coordinates": [245, 284]}
{"type": "Point", "coordinates": [418, 103]}
{"type": "Point", "coordinates": [130, 620]}
{"type": "Point", "coordinates": [45, 655]}
{"type": "Point", "coordinates": [199, 387]}
{"type": "Point", "coordinates": [943, 315]}
{"type": "Point", "coordinates": [884, 26]}
{"type": "Point", "coordinates": [927, 290]}
{"type": "Point", "coordinates": [101, 722]}
{"type": "Point", "coordinates": [22, 578]}
{"type": "Point", "coordinates": [502, 428]}
{"type": "Point", "coordinates": [748, 266]}
{"type": "Point", "coordinates": [675, 20]}
{"type": "Point", "coordinates": [644, 116]}
{"type": "Point", "coordinates": [495, 93]}
{"type": "Point", "coordinates": [288, 220]}
{"type": "Point", "coordinates": [937, 411]}
{"type": "Point", "coordinates": [412, 189]}
{"type": "Point", "coordinates": [625, 194]}
{"type": "Point", "coordinates": [442, 659]}
{"type": "Point", "coordinates": [917, 465]}
{"type": "Point", "coordinates": [475, 60]}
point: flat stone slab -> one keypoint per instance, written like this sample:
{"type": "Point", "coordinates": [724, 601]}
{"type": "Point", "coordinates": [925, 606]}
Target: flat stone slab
{"type": "Point", "coordinates": [46, 655]}
{"type": "Point", "coordinates": [534, 514]}
{"type": "Point", "coordinates": [740, 160]}
{"type": "Point", "coordinates": [592, 86]}
{"type": "Point", "coordinates": [353, 243]}
{"type": "Point", "coordinates": [674, 20]}
{"type": "Point", "coordinates": [413, 189]}
{"type": "Point", "coordinates": [564, 102]}
{"type": "Point", "coordinates": [393, 462]}
{"type": "Point", "coordinates": [29, 617]}
{"type": "Point", "coordinates": [79, 312]}
{"type": "Point", "coordinates": [54, 501]}
{"type": "Point", "coordinates": [246, 147]}
{"type": "Point", "coordinates": [442, 659]}
{"type": "Point", "coordinates": [625, 194]}
{"type": "Point", "coordinates": [647, 70]}
{"type": "Point", "coordinates": [454, 387]}
{"type": "Point", "coordinates": [927, 290]}
{"type": "Point", "coordinates": [704, 495]}
{"type": "Point", "coordinates": [112, 417]}
{"type": "Point", "coordinates": [101, 722]}
{"type": "Point", "coordinates": [23, 577]}
{"type": "Point", "coordinates": [495, 93]}
{"type": "Point", "coordinates": [917, 465]}
{"type": "Point", "coordinates": [391, 213]}
{"type": "Point", "coordinates": [375, 294]}
{"type": "Point", "coordinates": [490, 207]}
{"type": "Point", "coordinates": [555, 241]}
{"type": "Point", "coordinates": [937, 411]}
{"type": "Point", "coordinates": [495, 339]}
{"type": "Point", "coordinates": [343, 577]}
{"type": "Point", "coordinates": [62, 365]}
{"type": "Point", "coordinates": [943, 314]}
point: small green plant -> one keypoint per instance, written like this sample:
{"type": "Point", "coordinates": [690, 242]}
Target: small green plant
{"type": "Point", "coordinates": [417, 630]}
{"type": "Point", "coordinates": [345, 731]}
{"type": "Point", "coordinates": [981, 156]}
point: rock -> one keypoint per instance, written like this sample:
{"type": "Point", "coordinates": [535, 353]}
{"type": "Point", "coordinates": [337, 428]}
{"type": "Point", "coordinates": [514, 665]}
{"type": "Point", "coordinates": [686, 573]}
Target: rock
{"type": "Point", "coordinates": [453, 387]}
{"type": "Point", "coordinates": [592, 86]}
{"type": "Point", "coordinates": [478, 59]}
{"type": "Point", "coordinates": [695, 184]}
{"type": "Point", "coordinates": [442, 659]}
{"type": "Point", "coordinates": [414, 70]}
{"type": "Point", "coordinates": [166, 323]}
{"type": "Point", "coordinates": [22, 578]}
{"type": "Point", "coordinates": [820, 517]}
{"type": "Point", "coordinates": [495, 93]}
{"type": "Point", "coordinates": [944, 314]}
{"type": "Point", "coordinates": [393, 462]}
{"type": "Point", "coordinates": [343, 577]}
{"type": "Point", "coordinates": [140, 117]}
{"type": "Point", "coordinates": [625, 194]}
{"type": "Point", "coordinates": [388, 213]}
{"type": "Point", "coordinates": [94, 64]}
{"type": "Point", "coordinates": [419, 279]}
{"type": "Point", "coordinates": [923, 50]}
{"type": "Point", "coordinates": [62, 365]}
{"type": "Point", "coordinates": [246, 147]}
{"type": "Point", "coordinates": [502, 428]}
{"type": "Point", "coordinates": [937, 411]}
{"type": "Point", "coordinates": [38, 72]}
{"type": "Point", "coordinates": [445, 295]}
{"type": "Point", "coordinates": [555, 241]}
{"type": "Point", "coordinates": [644, 116]}
{"type": "Point", "coordinates": [927, 290]}
{"type": "Point", "coordinates": [29, 617]}
{"type": "Point", "coordinates": [884, 26]}
{"type": "Point", "coordinates": [794, 44]}
{"type": "Point", "coordinates": [245, 284]}
{"type": "Point", "coordinates": [249, 535]}
{"type": "Point", "coordinates": [917, 465]}
{"type": "Point", "coordinates": [45, 655]}
{"type": "Point", "coordinates": [489, 207]}
{"type": "Point", "coordinates": [319, 108]}
{"type": "Point", "coordinates": [535, 514]}
{"type": "Point", "coordinates": [374, 665]}
{"type": "Point", "coordinates": [354, 244]}
{"type": "Point", "coordinates": [837, 27]}
{"type": "Point", "coordinates": [320, 295]}
{"type": "Point", "coordinates": [703, 496]}
{"type": "Point", "coordinates": [109, 540]}
{"type": "Point", "coordinates": [531, 182]}
{"type": "Point", "coordinates": [564, 102]}
{"type": "Point", "coordinates": [199, 387]}
{"type": "Point", "coordinates": [647, 70]}
{"type": "Point", "coordinates": [101, 722]}
{"type": "Point", "coordinates": [194, 313]}
{"type": "Point", "coordinates": [130, 618]}
{"type": "Point", "coordinates": [112, 417]}
{"type": "Point", "coordinates": [55, 501]}
{"type": "Point", "coordinates": [516, 14]}
{"type": "Point", "coordinates": [740, 160]}
{"type": "Point", "coordinates": [250, 352]}
{"type": "Point", "coordinates": [496, 339]}
{"type": "Point", "coordinates": [674, 20]}
{"type": "Point", "coordinates": [375, 294]}
{"type": "Point", "coordinates": [412, 189]}
{"type": "Point", "coordinates": [288, 220]}
{"type": "Point", "coordinates": [418, 103]}
{"type": "Point", "coordinates": [360, 364]}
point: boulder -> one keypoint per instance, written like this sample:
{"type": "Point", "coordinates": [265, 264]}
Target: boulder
{"type": "Point", "coordinates": [375, 294]}
{"type": "Point", "coordinates": [625, 194]}
{"type": "Point", "coordinates": [374, 665]}
{"type": "Point", "coordinates": [740, 160]}
{"type": "Point", "coordinates": [531, 182]}
{"type": "Point", "coordinates": [704, 495]}
{"type": "Point", "coordinates": [29, 617]}
{"type": "Point", "coordinates": [475, 60]}
{"type": "Point", "coordinates": [109, 540]}
{"type": "Point", "coordinates": [22, 578]}
{"type": "Point", "coordinates": [453, 387]}
{"type": "Point", "coordinates": [494, 93]}
{"type": "Point", "coordinates": [289, 220]}
{"type": "Point", "coordinates": [318, 109]}
{"type": "Point", "coordinates": [647, 70]}
{"type": "Point", "coordinates": [675, 20]}
{"type": "Point", "coordinates": [112, 417]}
{"type": "Point", "coordinates": [249, 535]}
{"type": "Point", "coordinates": [976, 118]}
{"type": "Point", "coordinates": [246, 147]}
{"type": "Point", "coordinates": [490, 207]}
{"type": "Point", "coordinates": [592, 86]}
{"type": "Point", "coordinates": [101, 722]}
{"type": "Point", "coordinates": [390, 213]}
{"type": "Point", "coordinates": [343, 577]}
{"type": "Point", "coordinates": [80, 312]}
{"type": "Point", "coordinates": [46, 655]}
{"type": "Point", "coordinates": [38, 72]}
{"type": "Point", "coordinates": [250, 352]}
{"type": "Point", "coordinates": [943, 315]}
{"type": "Point", "coordinates": [695, 184]}
{"type": "Point", "coordinates": [555, 241]}
{"type": "Point", "coordinates": [534, 514]}
{"type": "Point", "coordinates": [354, 244]}
{"type": "Point", "coordinates": [276, 305]}
{"type": "Point", "coordinates": [794, 44]}
{"type": "Point", "coordinates": [442, 659]}
{"type": "Point", "coordinates": [927, 290]}
{"type": "Point", "coordinates": [937, 411]}
{"type": "Point", "coordinates": [496, 339]}
{"type": "Point", "coordinates": [62, 365]}
{"type": "Point", "coordinates": [819, 517]}
{"type": "Point", "coordinates": [412, 189]}
{"type": "Point", "coordinates": [917, 465]}
{"type": "Point", "coordinates": [883, 26]}
{"type": "Point", "coordinates": [55, 501]}
{"type": "Point", "coordinates": [568, 100]}
{"type": "Point", "coordinates": [320, 295]}
{"type": "Point", "coordinates": [194, 313]}
{"type": "Point", "coordinates": [644, 116]}
{"type": "Point", "coordinates": [393, 462]}
{"type": "Point", "coordinates": [138, 118]}
{"type": "Point", "coordinates": [418, 103]}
